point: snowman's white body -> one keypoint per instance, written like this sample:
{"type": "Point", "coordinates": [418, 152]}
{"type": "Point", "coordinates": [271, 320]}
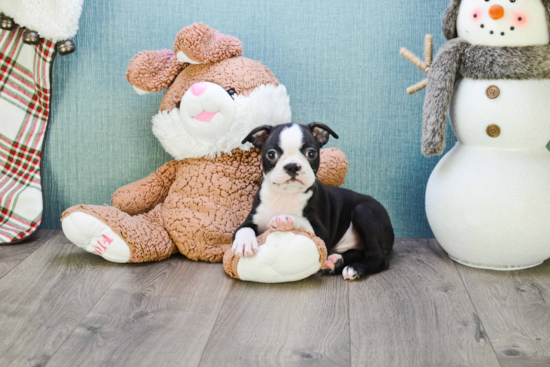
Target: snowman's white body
{"type": "Point", "coordinates": [488, 199]}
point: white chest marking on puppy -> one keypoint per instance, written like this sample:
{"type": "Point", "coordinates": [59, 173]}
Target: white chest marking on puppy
{"type": "Point", "coordinates": [274, 203]}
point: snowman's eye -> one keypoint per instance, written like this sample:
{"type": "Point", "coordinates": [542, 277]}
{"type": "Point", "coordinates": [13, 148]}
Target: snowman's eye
{"type": "Point", "coordinates": [232, 93]}
{"type": "Point", "coordinates": [512, 1]}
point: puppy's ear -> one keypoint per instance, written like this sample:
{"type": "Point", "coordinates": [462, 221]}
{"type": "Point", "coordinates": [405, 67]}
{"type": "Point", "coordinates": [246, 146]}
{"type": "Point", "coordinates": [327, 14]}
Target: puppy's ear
{"type": "Point", "coordinates": [258, 136]}
{"type": "Point", "coordinates": [321, 132]}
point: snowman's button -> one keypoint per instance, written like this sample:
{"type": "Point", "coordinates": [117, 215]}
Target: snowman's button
{"type": "Point", "coordinates": [493, 131]}
{"type": "Point", "coordinates": [493, 92]}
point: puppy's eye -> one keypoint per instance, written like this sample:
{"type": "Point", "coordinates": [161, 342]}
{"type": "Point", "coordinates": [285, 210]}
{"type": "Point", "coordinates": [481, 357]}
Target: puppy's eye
{"type": "Point", "coordinates": [232, 93]}
{"type": "Point", "coordinates": [311, 154]}
{"type": "Point", "coordinates": [272, 155]}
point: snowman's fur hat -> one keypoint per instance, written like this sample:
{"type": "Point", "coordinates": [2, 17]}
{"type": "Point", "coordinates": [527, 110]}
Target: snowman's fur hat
{"type": "Point", "coordinates": [451, 16]}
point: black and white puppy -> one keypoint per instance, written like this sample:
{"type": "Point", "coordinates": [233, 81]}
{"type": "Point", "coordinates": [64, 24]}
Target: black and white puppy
{"type": "Point", "coordinates": [355, 228]}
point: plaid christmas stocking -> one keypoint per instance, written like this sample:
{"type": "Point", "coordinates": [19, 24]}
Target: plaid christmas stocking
{"type": "Point", "coordinates": [25, 81]}
{"type": "Point", "coordinates": [25, 95]}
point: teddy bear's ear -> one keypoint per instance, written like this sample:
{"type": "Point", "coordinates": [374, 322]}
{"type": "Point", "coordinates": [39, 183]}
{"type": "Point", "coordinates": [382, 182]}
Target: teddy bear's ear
{"type": "Point", "coordinates": [258, 136]}
{"type": "Point", "coordinates": [200, 44]}
{"type": "Point", "coordinates": [321, 132]}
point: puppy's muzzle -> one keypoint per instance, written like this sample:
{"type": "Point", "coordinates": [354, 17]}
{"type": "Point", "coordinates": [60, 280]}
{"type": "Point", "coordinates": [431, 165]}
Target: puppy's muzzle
{"type": "Point", "coordinates": [292, 169]}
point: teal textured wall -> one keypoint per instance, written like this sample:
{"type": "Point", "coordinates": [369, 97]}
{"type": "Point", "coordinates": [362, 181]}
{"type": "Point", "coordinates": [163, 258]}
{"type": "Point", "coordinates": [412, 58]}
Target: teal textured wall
{"type": "Point", "coordinates": [338, 59]}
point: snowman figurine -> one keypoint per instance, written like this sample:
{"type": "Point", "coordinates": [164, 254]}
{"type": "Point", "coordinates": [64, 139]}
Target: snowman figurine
{"type": "Point", "coordinates": [488, 199]}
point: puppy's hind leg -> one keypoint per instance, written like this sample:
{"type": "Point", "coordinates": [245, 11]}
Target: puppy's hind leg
{"type": "Point", "coordinates": [373, 224]}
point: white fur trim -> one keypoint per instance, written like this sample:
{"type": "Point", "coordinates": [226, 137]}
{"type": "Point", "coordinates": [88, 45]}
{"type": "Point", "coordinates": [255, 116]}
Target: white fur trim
{"type": "Point", "coordinates": [52, 19]}
{"type": "Point", "coordinates": [266, 105]}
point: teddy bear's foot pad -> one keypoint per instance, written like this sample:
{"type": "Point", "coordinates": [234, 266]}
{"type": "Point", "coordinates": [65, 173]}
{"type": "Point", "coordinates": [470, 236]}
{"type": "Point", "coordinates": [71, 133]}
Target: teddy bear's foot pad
{"type": "Point", "coordinates": [92, 235]}
{"type": "Point", "coordinates": [285, 257]}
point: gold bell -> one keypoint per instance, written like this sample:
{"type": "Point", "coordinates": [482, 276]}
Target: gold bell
{"type": "Point", "coordinates": [65, 47]}
{"type": "Point", "coordinates": [7, 23]}
{"type": "Point", "coordinates": [31, 37]}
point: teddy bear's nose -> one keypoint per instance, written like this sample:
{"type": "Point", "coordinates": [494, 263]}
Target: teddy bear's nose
{"type": "Point", "coordinates": [496, 12]}
{"type": "Point", "coordinates": [198, 88]}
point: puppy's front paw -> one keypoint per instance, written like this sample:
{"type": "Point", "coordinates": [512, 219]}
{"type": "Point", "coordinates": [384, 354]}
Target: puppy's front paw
{"type": "Point", "coordinates": [245, 243]}
{"type": "Point", "coordinates": [282, 223]}
{"type": "Point", "coordinates": [333, 265]}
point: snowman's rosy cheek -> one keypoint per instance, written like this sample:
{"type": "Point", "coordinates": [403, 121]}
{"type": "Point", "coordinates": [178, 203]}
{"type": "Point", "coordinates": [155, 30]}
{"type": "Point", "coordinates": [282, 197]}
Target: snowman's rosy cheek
{"type": "Point", "coordinates": [519, 20]}
{"type": "Point", "coordinates": [477, 15]}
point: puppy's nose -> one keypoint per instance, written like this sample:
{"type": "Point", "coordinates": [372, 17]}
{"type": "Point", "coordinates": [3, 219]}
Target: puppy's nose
{"type": "Point", "coordinates": [292, 169]}
{"type": "Point", "coordinates": [496, 12]}
{"type": "Point", "coordinates": [198, 88]}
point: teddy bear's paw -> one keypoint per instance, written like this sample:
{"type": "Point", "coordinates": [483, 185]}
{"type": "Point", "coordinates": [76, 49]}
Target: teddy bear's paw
{"type": "Point", "coordinates": [333, 265]}
{"type": "Point", "coordinates": [284, 257]}
{"type": "Point", "coordinates": [92, 235]}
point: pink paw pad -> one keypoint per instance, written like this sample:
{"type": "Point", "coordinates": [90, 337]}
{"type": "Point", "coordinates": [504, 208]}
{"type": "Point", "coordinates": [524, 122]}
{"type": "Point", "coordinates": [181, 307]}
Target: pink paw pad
{"type": "Point", "coordinates": [329, 265]}
{"type": "Point", "coordinates": [282, 223]}
{"type": "Point", "coordinates": [332, 260]}
{"type": "Point", "coordinates": [334, 263]}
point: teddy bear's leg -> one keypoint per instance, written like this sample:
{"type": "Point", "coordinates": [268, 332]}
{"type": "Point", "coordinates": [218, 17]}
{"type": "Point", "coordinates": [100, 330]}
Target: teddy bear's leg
{"type": "Point", "coordinates": [200, 246]}
{"type": "Point", "coordinates": [282, 257]}
{"type": "Point", "coordinates": [117, 236]}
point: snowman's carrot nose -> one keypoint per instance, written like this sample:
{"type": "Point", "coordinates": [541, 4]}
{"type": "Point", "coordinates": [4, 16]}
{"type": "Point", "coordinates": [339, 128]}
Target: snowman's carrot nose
{"type": "Point", "coordinates": [496, 12]}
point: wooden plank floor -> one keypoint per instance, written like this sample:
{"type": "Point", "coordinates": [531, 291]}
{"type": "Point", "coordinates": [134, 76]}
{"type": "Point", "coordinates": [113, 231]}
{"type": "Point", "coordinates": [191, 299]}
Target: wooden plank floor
{"type": "Point", "coordinates": [60, 306]}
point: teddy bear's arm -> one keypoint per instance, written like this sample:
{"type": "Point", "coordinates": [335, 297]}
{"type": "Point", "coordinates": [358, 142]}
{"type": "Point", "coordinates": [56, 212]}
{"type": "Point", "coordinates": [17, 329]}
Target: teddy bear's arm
{"type": "Point", "coordinates": [333, 168]}
{"type": "Point", "coordinates": [143, 195]}
{"type": "Point", "coordinates": [153, 71]}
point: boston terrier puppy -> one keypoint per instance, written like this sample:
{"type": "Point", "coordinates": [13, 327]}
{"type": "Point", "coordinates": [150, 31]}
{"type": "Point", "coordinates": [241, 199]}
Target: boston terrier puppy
{"type": "Point", "coordinates": [356, 228]}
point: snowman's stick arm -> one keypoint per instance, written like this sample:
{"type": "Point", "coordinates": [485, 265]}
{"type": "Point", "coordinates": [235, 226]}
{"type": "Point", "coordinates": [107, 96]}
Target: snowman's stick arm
{"type": "Point", "coordinates": [417, 87]}
{"type": "Point", "coordinates": [415, 60]}
{"type": "Point", "coordinates": [422, 65]}
{"type": "Point", "coordinates": [428, 49]}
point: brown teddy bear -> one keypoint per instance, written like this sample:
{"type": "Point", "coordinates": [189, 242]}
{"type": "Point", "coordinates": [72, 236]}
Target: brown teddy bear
{"type": "Point", "coordinates": [193, 204]}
